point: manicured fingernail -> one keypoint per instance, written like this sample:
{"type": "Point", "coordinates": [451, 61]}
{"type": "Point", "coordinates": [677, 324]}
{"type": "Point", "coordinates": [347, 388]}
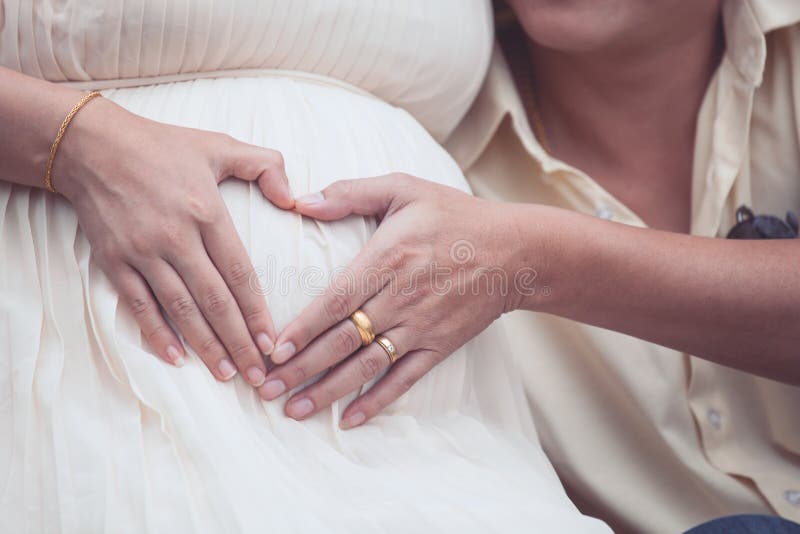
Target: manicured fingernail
{"type": "Point", "coordinates": [353, 420]}
{"type": "Point", "coordinates": [226, 370]}
{"type": "Point", "coordinates": [175, 356]}
{"type": "Point", "coordinates": [273, 389]}
{"type": "Point", "coordinates": [255, 376]}
{"type": "Point", "coordinates": [300, 408]}
{"type": "Point", "coordinates": [311, 198]}
{"type": "Point", "coordinates": [265, 344]}
{"type": "Point", "coordinates": [284, 352]}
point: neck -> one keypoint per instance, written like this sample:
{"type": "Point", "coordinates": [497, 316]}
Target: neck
{"type": "Point", "coordinates": [607, 108]}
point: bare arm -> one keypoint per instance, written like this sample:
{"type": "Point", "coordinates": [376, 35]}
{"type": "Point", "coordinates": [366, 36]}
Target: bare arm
{"type": "Point", "coordinates": [31, 111]}
{"type": "Point", "coordinates": [730, 301]}
{"type": "Point", "coordinates": [129, 179]}
{"type": "Point", "coordinates": [733, 302]}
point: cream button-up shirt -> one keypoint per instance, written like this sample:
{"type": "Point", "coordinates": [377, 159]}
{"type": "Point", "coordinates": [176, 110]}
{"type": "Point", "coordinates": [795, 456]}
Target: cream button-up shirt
{"type": "Point", "coordinates": [643, 436]}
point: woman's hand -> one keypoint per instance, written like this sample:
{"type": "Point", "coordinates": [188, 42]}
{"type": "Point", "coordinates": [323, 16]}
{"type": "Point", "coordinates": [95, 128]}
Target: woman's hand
{"type": "Point", "coordinates": [437, 271]}
{"type": "Point", "coordinates": [147, 198]}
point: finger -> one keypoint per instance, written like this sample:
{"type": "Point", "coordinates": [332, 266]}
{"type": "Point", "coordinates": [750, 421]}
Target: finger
{"type": "Point", "coordinates": [262, 165]}
{"type": "Point", "coordinates": [367, 275]}
{"type": "Point", "coordinates": [346, 377]}
{"type": "Point", "coordinates": [364, 196]}
{"type": "Point", "coordinates": [180, 305]}
{"type": "Point", "coordinates": [325, 351]}
{"type": "Point", "coordinates": [401, 377]}
{"type": "Point", "coordinates": [136, 295]}
{"type": "Point", "coordinates": [232, 261]}
{"type": "Point", "coordinates": [221, 312]}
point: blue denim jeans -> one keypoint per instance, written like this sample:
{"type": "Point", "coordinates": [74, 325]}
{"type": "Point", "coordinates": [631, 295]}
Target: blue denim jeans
{"type": "Point", "coordinates": [747, 524]}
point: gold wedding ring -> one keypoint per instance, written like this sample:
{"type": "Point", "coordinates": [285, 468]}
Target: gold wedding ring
{"type": "Point", "coordinates": [389, 347]}
{"type": "Point", "coordinates": [364, 327]}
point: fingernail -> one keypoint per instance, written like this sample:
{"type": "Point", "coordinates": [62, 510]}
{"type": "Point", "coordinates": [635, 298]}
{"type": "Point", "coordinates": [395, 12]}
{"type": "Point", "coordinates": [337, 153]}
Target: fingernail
{"type": "Point", "coordinates": [284, 352]}
{"type": "Point", "coordinates": [273, 389]}
{"type": "Point", "coordinates": [300, 408]}
{"type": "Point", "coordinates": [255, 376]}
{"type": "Point", "coordinates": [353, 420]}
{"type": "Point", "coordinates": [226, 369]}
{"type": "Point", "coordinates": [175, 356]}
{"type": "Point", "coordinates": [311, 198]}
{"type": "Point", "coordinates": [265, 344]}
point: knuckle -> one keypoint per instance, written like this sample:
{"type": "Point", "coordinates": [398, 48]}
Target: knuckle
{"type": "Point", "coordinates": [253, 317]}
{"type": "Point", "coordinates": [342, 188]}
{"type": "Point", "coordinates": [300, 334]}
{"type": "Point", "coordinates": [375, 405]}
{"type": "Point", "coordinates": [203, 210]}
{"type": "Point", "coordinates": [211, 348]}
{"type": "Point", "coordinates": [421, 292]}
{"type": "Point", "coordinates": [345, 342]}
{"type": "Point", "coordinates": [336, 306]}
{"type": "Point", "coordinates": [238, 273]}
{"type": "Point", "coordinates": [327, 394]}
{"type": "Point", "coordinates": [140, 306]}
{"type": "Point", "coordinates": [141, 244]}
{"type": "Point", "coordinates": [182, 307]}
{"type": "Point", "coordinates": [175, 246]}
{"type": "Point", "coordinates": [219, 141]}
{"type": "Point", "coordinates": [217, 303]}
{"type": "Point", "coordinates": [276, 159]}
{"type": "Point", "coordinates": [403, 384]}
{"type": "Point", "coordinates": [108, 253]}
{"type": "Point", "coordinates": [369, 367]}
{"type": "Point", "coordinates": [408, 382]}
{"type": "Point", "coordinates": [298, 373]}
{"type": "Point", "coordinates": [160, 330]}
{"type": "Point", "coordinates": [170, 234]}
{"type": "Point", "coordinates": [401, 177]}
{"type": "Point", "coordinates": [243, 352]}
{"type": "Point", "coordinates": [226, 139]}
{"type": "Point", "coordinates": [396, 257]}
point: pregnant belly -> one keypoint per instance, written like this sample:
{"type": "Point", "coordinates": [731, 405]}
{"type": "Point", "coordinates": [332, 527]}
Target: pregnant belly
{"type": "Point", "coordinates": [325, 133]}
{"type": "Point", "coordinates": [103, 433]}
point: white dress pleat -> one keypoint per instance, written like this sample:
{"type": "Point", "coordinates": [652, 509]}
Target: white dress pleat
{"type": "Point", "coordinates": [98, 435]}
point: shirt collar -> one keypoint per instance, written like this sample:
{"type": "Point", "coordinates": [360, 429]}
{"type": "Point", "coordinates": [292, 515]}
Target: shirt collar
{"type": "Point", "coordinates": [775, 14]}
{"type": "Point", "coordinates": [745, 46]}
{"type": "Point", "coordinates": [745, 23]}
{"type": "Point", "coordinates": [497, 101]}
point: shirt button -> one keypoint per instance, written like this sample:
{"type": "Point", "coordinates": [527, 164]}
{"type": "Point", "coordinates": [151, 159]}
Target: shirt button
{"type": "Point", "coordinates": [603, 212]}
{"type": "Point", "coordinates": [715, 418]}
{"type": "Point", "coordinates": [792, 497]}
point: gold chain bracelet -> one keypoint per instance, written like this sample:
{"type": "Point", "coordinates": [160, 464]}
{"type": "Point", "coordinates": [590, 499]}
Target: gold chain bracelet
{"type": "Point", "coordinates": [48, 175]}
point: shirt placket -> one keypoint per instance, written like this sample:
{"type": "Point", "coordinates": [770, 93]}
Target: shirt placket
{"type": "Point", "coordinates": [726, 427]}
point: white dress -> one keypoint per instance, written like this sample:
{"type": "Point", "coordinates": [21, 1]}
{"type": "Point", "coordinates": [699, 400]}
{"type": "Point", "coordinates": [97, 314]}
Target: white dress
{"type": "Point", "coordinates": [99, 435]}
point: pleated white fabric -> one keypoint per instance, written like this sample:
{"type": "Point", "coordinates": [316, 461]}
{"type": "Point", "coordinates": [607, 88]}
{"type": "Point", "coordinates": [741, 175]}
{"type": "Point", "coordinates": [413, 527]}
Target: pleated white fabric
{"type": "Point", "coordinates": [99, 435]}
{"type": "Point", "coordinates": [426, 57]}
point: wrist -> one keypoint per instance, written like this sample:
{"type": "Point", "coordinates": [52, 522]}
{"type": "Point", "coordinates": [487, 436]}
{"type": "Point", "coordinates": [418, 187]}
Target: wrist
{"type": "Point", "coordinates": [87, 143]}
{"type": "Point", "coordinates": [548, 242]}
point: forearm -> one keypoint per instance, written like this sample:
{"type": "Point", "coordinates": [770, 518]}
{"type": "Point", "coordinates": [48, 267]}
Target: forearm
{"type": "Point", "coordinates": [31, 112]}
{"type": "Point", "coordinates": [733, 302]}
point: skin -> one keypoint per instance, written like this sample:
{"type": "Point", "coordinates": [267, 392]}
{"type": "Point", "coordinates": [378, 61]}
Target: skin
{"type": "Point", "coordinates": [640, 70]}
{"type": "Point", "coordinates": [146, 197]}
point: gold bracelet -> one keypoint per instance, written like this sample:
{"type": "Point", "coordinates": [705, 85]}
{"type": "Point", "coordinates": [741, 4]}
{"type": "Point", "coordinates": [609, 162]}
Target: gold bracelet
{"type": "Point", "coordinates": [48, 174]}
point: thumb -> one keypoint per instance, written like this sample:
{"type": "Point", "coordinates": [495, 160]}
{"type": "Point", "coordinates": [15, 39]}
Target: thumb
{"type": "Point", "coordinates": [257, 164]}
{"type": "Point", "coordinates": [364, 196]}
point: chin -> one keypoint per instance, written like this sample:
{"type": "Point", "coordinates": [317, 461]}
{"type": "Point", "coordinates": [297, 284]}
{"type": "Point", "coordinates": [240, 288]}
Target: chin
{"type": "Point", "coordinates": [585, 25]}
